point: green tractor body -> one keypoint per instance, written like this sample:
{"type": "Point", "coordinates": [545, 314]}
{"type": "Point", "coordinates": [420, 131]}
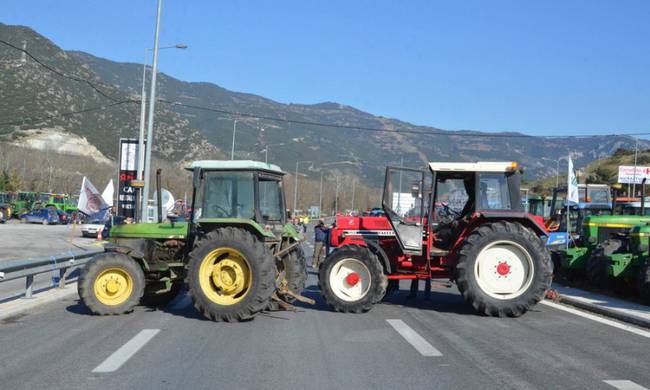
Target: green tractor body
{"type": "Point", "coordinates": [595, 230]}
{"type": "Point", "coordinates": [6, 208]}
{"type": "Point", "coordinates": [237, 252]}
{"type": "Point", "coordinates": [23, 201]}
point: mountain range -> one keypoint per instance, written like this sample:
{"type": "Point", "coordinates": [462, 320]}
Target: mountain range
{"type": "Point", "coordinates": [48, 94]}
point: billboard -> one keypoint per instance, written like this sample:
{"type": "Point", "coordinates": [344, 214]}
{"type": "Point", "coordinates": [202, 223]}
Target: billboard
{"type": "Point", "coordinates": [627, 174]}
{"type": "Point", "coordinates": [127, 199]}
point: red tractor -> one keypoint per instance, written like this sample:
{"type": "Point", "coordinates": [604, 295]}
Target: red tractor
{"type": "Point", "coordinates": [463, 222]}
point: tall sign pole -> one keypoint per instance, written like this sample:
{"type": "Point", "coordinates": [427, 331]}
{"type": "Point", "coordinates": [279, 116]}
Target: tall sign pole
{"type": "Point", "coordinates": [152, 103]}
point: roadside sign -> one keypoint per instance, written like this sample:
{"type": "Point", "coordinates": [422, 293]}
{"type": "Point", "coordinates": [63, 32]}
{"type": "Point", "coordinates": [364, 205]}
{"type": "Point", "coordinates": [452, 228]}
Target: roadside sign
{"type": "Point", "coordinates": [627, 174]}
{"type": "Point", "coordinates": [127, 198]}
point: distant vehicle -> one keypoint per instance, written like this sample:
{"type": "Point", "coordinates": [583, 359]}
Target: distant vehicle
{"type": "Point", "coordinates": [64, 218]}
{"type": "Point", "coordinates": [94, 224]}
{"type": "Point", "coordinates": [44, 216]}
{"type": "Point", "coordinates": [376, 212]}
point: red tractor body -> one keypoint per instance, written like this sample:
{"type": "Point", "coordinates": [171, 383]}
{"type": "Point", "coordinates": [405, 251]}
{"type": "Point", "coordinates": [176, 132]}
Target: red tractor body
{"type": "Point", "coordinates": [466, 225]}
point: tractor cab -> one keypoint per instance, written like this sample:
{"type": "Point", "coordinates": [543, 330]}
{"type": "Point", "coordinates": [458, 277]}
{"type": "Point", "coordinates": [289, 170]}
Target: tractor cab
{"type": "Point", "coordinates": [447, 200]}
{"type": "Point", "coordinates": [246, 192]}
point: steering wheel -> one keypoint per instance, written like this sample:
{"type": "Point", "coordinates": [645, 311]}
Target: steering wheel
{"type": "Point", "coordinates": [219, 211]}
{"type": "Point", "coordinates": [447, 214]}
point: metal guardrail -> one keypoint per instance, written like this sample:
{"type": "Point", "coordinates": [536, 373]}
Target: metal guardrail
{"type": "Point", "coordinates": [27, 268]}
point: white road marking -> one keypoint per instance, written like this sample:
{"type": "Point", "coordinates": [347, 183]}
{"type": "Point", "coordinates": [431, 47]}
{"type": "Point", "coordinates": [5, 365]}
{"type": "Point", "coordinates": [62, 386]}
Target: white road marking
{"type": "Point", "coordinates": [625, 385]}
{"type": "Point", "coordinates": [596, 318]}
{"type": "Point", "coordinates": [418, 342]}
{"type": "Point", "coordinates": [125, 352]}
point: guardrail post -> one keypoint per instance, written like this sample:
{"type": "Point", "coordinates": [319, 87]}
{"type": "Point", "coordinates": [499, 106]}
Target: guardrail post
{"type": "Point", "coordinates": [29, 283]}
{"type": "Point", "coordinates": [62, 273]}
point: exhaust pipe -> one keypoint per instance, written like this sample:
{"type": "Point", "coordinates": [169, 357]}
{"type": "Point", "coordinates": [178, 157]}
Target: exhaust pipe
{"type": "Point", "coordinates": [159, 195]}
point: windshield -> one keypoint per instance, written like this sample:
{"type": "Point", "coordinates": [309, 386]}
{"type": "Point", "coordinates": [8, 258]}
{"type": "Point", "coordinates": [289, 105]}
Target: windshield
{"type": "Point", "coordinates": [228, 195]}
{"type": "Point", "coordinates": [494, 194]}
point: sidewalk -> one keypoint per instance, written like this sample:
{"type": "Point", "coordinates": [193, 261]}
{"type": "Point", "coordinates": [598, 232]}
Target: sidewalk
{"type": "Point", "coordinates": [619, 309]}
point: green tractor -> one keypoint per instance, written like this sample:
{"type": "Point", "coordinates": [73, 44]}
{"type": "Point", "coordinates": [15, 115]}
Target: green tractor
{"type": "Point", "coordinates": [23, 201]}
{"type": "Point", "coordinates": [596, 230]}
{"type": "Point", "coordinates": [5, 206]}
{"type": "Point", "coordinates": [60, 202]}
{"type": "Point", "coordinates": [238, 254]}
{"type": "Point", "coordinates": [622, 262]}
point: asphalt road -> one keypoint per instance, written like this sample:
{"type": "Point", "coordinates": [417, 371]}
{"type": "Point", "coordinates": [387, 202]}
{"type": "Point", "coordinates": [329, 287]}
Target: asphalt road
{"type": "Point", "coordinates": [399, 344]}
{"type": "Point", "coordinates": [19, 241]}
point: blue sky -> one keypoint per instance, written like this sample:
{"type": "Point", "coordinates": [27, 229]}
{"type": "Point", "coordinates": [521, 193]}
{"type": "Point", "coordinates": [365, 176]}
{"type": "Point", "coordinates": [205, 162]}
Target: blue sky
{"type": "Point", "coordinates": [539, 67]}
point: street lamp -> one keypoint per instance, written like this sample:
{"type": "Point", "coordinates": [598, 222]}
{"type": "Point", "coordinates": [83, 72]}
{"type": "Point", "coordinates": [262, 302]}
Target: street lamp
{"type": "Point", "coordinates": [234, 130]}
{"type": "Point", "coordinates": [266, 150]}
{"type": "Point", "coordinates": [336, 196]}
{"type": "Point", "coordinates": [295, 187]}
{"type": "Point", "coordinates": [557, 171]}
{"type": "Point", "coordinates": [143, 104]}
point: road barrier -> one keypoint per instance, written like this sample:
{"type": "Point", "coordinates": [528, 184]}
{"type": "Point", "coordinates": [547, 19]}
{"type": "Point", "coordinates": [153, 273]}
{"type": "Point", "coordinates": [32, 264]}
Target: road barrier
{"type": "Point", "coordinates": [27, 268]}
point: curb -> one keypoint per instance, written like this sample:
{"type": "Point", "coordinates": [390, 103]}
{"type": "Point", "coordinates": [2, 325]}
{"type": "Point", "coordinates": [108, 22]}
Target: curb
{"type": "Point", "coordinates": [604, 311]}
{"type": "Point", "coordinates": [20, 305]}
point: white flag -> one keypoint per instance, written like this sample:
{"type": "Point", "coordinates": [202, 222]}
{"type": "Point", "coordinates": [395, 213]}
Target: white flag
{"type": "Point", "coordinates": [108, 193]}
{"type": "Point", "coordinates": [90, 200]}
{"type": "Point", "coordinates": [572, 185]}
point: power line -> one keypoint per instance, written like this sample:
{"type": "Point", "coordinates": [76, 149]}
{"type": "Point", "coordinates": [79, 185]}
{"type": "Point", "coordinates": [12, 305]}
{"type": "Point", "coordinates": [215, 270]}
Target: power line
{"type": "Point", "coordinates": [379, 130]}
{"type": "Point", "coordinates": [65, 114]}
{"type": "Point", "coordinates": [60, 73]}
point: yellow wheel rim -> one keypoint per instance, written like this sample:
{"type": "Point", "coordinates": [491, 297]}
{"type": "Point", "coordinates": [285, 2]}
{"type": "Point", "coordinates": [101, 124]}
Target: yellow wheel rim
{"type": "Point", "coordinates": [225, 276]}
{"type": "Point", "coordinates": [113, 286]}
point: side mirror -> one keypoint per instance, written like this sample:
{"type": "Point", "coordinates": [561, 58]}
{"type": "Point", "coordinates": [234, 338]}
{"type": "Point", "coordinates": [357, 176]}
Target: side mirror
{"type": "Point", "coordinates": [196, 177]}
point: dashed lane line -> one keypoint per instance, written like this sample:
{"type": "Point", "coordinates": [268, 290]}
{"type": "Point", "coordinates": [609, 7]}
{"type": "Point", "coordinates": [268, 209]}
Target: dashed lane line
{"type": "Point", "coordinates": [596, 318]}
{"type": "Point", "coordinates": [418, 342]}
{"type": "Point", "coordinates": [625, 385]}
{"type": "Point", "coordinates": [125, 352]}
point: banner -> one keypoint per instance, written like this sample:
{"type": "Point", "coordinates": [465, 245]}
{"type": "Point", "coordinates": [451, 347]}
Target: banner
{"type": "Point", "coordinates": [108, 193]}
{"type": "Point", "coordinates": [627, 174]}
{"type": "Point", "coordinates": [127, 199]}
{"type": "Point", "coordinates": [573, 194]}
{"type": "Point", "coordinates": [90, 200]}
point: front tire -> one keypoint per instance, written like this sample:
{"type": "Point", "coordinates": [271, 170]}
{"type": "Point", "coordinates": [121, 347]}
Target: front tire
{"type": "Point", "coordinates": [503, 269]}
{"type": "Point", "coordinates": [111, 283]}
{"type": "Point", "coordinates": [351, 279]}
{"type": "Point", "coordinates": [231, 275]}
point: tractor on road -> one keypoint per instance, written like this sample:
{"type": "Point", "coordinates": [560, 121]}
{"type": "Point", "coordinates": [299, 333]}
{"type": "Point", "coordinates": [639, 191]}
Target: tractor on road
{"type": "Point", "coordinates": [237, 253]}
{"type": "Point", "coordinates": [463, 222]}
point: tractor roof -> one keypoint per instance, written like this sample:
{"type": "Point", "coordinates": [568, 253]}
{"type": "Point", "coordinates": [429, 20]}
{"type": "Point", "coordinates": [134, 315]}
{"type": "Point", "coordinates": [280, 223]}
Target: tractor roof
{"type": "Point", "coordinates": [481, 166]}
{"type": "Point", "coordinates": [235, 165]}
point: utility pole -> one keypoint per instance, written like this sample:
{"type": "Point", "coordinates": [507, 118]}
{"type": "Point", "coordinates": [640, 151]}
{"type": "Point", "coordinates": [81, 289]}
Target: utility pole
{"type": "Point", "coordinates": [295, 187]}
{"type": "Point", "coordinates": [143, 109]}
{"type": "Point", "coordinates": [336, 196]}
{"type": "Point", "coordinates": [234, 131]}
{"type": "Point", "coordinates": [152, 103]}
{"type": "Point", "coordinates": [636, 149]}
{"type": "Point", "coordinates": [354, 183]}
{"type": "Point", "coordinates": [320, 194]}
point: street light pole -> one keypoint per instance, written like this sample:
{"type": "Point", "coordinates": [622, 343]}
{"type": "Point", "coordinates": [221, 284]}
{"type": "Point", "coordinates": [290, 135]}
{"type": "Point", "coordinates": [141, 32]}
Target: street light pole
{"type": "Point", "coordinates": [320, 194]}
{"type": "Point", "coordinates": [295, 187]}
{"type": "Point", "coordinates": [234, 130]}
{"type": "Point", "coordinates": [152, 103]}
{"type": "Point", "coordinates": [143, 109]}
{"type": "Point", "coordinates": [636, 148]}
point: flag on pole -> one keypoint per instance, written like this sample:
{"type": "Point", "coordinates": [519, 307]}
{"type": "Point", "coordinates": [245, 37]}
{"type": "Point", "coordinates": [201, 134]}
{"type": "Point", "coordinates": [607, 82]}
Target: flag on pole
{"type": "Point", "coordinates": [108, 193]}
{"type": "Point", "coordinates": [90, 200]}
{"type": "Point", "coordinates": [572, 185]}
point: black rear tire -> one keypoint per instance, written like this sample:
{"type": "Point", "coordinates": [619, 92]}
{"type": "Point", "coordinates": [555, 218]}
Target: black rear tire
{"type": "Point", "coordinates": [295, 267]}
{"type": "Point", "coordinates": [262, 268]}
{"type": "Point", "coordinates": [378, 280]}
{"type": "Point", "coordinates": [93, 269]}
{"type": "Point", "coordinates": [523, 238]}
{"type": "Point", "coordinates": [597, 267]}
